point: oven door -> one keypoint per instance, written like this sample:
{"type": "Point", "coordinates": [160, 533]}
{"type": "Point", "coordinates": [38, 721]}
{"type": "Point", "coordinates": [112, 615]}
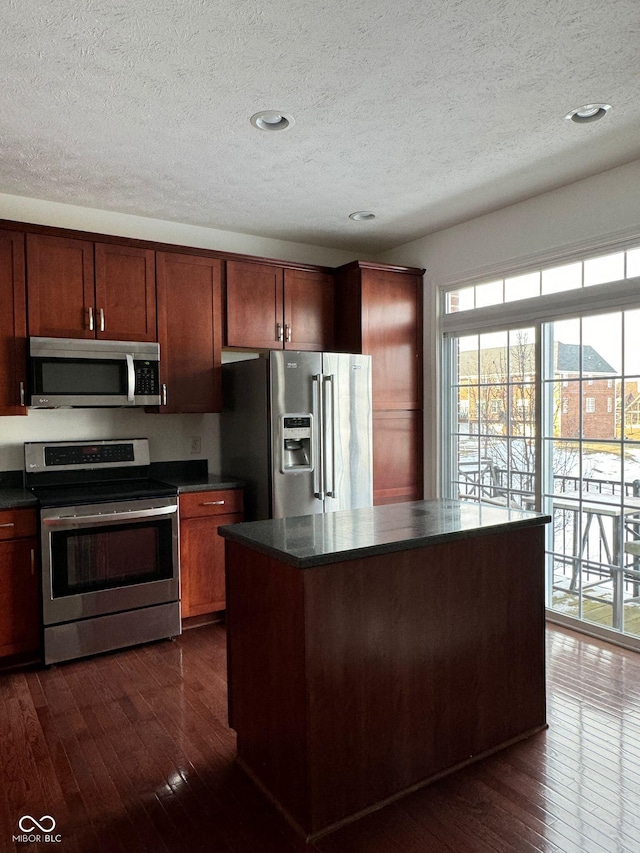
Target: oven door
{"type": "Point", "coordinates": [108, 558]}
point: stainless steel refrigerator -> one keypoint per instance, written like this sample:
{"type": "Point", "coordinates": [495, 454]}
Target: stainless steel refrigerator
{"type": "Point", "coordinates": [296, 427]}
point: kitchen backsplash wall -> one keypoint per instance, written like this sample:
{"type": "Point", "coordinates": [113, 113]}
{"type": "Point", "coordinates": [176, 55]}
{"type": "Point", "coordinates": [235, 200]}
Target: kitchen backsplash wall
{"type": "Point", "coordinates": [171, 437]}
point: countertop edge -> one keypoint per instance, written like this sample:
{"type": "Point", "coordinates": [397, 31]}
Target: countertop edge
{"type": "Point", "coordinates": [232, 535]}
{"type": "Point", "coordinates": [223, 485]}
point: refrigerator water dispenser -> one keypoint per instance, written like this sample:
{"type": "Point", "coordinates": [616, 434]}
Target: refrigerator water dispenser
{"type": "Point", "coordinates": [296, 433]}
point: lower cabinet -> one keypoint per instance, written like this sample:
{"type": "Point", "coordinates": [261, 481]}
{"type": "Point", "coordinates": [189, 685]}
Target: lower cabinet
{"type": "Point", "coordinates": [397, 456]}
{"type": "Point", "coordinates": [19, 584]}
{"type": "Point", "coordinates": [202, 550]}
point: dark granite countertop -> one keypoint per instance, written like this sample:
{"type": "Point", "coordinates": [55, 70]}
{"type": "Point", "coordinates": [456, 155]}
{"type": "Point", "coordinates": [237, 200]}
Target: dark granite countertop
{"type": "Point", "coordinates": [316, 540]}
{"type": "Point", "coordinates": [192, 476]}
{"type": "Point", "coordinates": [16, 498]}
{"type": "Point", "coordinates": [12, 493]}
{"type": "Point", "coordinates": [210, 483]}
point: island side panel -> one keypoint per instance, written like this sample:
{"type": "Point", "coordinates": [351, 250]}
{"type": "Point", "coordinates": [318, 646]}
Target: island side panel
{"type": "Point", "coordinates": [267, 691]}
{"type": "Point", "coordinates": [417, 661]}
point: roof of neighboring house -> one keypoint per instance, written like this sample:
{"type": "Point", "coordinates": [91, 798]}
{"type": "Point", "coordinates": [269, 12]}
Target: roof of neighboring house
{"type": "Point", "coordinates": [522, 360]}
{"type": "Point", "coordinates": [568, 360]}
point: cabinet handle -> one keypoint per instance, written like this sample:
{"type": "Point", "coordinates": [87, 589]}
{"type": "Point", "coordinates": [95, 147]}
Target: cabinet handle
{"type": "Point", "coordinates": [91, 319]}
{"type": "Point", "coordinates": [288, 330]}
{"type": "Point", "coordinates": [164, 395]}
{"type": "Point", "coordinates": [102, 323]}
{"type": "Point", "coordinates": [21, 386]}
{"type": "Point", "coordinates": [8, 524]}
{"type": "Point", "coordinates": [33, 561]}
{"type": "Point", "coordinates": [212, 503]}
{"type": "Point", "coordinates": [279, 332]}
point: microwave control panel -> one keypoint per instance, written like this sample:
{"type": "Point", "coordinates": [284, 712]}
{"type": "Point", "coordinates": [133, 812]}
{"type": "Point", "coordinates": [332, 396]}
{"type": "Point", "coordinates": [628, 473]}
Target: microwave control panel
{"type": "Point", "coordinates": [146, 378]}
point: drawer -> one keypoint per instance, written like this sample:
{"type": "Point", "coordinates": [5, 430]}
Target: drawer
{"type": "Point", "coordinates": [18, 523]}
{"type": "Point", "coordinates": [194, 504]}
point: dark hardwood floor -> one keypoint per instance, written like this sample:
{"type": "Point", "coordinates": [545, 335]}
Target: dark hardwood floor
{"type": "Point", "coordinates": [131, 752]}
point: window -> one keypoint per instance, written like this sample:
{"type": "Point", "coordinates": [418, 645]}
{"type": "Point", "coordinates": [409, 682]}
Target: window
{"type": "Point", "coordinates": [530, 441]}
{"type": "Point", "coordinates": [603, 269]}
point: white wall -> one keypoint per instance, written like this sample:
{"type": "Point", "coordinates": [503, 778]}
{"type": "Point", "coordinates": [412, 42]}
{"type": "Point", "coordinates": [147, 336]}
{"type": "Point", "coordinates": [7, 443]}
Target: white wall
{"type": "Point", "coordinates": [169, 435]}
{"type": "Point", "coordinates": [40, 212]}
{"type": "Point", "coordinates": [579, 215]}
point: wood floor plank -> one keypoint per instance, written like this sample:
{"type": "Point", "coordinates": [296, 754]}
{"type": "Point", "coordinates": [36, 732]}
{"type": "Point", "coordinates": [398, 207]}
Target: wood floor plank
{"type": "Point", "coordinates": [132, 752]}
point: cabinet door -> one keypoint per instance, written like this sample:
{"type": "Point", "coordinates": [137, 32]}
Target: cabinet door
{"type": "Point", "coordinates": [13, 325]}
{"type": "Point", "coordinates": [254, 306]}
{"type": "Point", "coordinates": [190, 331]}
{"type": "Point", "coordinates": [308, 310]}
{"type": "Point", "coordinates": [397, 456]}
{"type": "Point", "coordinates": [125, 293]}
{"type": "Point", "coordinates": [60, 287]}
{"type": "Point", "coordinates": [202, 564]}
{"type": "Point", "coordinates": [392, 334]}
{"type": "Point", "coordinates": [19, 606]}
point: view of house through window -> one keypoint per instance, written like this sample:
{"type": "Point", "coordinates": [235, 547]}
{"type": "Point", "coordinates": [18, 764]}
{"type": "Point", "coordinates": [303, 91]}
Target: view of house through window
{"type": "Point", "coordinates": [547, 415]}
{"type": "Point", "coordinates": [591, 467]}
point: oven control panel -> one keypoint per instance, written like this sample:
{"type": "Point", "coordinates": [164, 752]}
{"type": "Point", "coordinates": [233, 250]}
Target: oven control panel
{"type": "Point", "coordinates": [78, 455]}
{"type": "Point", "coordinates": [88, 453]}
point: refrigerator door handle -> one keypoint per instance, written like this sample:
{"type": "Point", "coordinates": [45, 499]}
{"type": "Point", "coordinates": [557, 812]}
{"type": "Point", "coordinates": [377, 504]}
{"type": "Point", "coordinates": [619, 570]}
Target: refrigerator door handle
{"type": "Point", "coordinates": [329, 423]}
{"type": "Point", "coordinates": [318, 436]}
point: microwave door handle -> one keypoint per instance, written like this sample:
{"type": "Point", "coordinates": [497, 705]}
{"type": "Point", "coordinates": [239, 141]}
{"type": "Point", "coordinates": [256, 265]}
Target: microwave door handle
{"type": "Point", "coordinates": [131, 378]}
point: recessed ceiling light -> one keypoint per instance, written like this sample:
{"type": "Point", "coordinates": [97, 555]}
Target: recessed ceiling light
{"type": "Point", "coordinates": [272, 120]}
{"type": "Point", "coordinates": [362, 215]}
{"type": "Point", "coordinates": [589, 112]}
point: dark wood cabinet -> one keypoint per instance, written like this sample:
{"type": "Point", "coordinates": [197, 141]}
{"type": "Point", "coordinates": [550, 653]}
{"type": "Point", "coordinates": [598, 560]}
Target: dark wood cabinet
{"type": "Point", "coordinates": [61, 287]}
{"type": "Point", "coordinates": [397, 456]}
{"type": "Point", "coordinates": [309, 310]}
{"type": "Point", "coordinates": [254, 305]}
{"type": "Point", "coordinates": [189, 293]}
{"type": "Point", "coordinates": [19, 585]}
{"type": "Point", "coordinates": [271, 307]}
{"type": "Point", "coordinates": [379, 313]}
{"type": "Point", "coordinates": [356, 681]}
{"type": "Point", "coordinates": [125, 293]}
{"type": "Point", "coordinates": [13, 325]}
{"type": "Point", "coordinates": [78, 289]}
{"type": "Point", "coordinates": [202, 563]}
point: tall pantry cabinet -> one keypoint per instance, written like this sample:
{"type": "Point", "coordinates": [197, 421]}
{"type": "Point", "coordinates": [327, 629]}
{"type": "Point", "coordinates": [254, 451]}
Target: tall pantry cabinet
{"type": "Point", "coordinates": [13, 325]}
{"type": "Point", "coordinates": [379, 313]}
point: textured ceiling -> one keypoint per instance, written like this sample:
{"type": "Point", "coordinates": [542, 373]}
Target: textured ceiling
{"type": "Point", "coordinates": [427, 113]}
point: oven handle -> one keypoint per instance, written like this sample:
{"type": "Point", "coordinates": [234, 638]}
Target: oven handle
{"type": "Point", "coordinates": [108, 518]}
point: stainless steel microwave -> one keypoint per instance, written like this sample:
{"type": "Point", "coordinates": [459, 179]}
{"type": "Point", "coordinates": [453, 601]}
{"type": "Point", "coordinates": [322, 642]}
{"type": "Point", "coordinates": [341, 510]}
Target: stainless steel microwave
{"type": "Point", "coordinates": [78, 372]}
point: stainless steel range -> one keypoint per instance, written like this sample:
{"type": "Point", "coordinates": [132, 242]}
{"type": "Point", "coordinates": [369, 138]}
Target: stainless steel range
{"type": "Point", "coordinates": [109, 536]}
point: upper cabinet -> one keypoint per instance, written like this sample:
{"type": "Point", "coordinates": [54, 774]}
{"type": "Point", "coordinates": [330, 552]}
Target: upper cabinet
{"type": "Point", "coordinates": [271, 307]}
{"type": "Point", "coordinates": [78, 289]}
{"type": "Point", "coordinates": [380, 314]}
{"type": "Point", "coordinates": [13, 324]}
{"type": "Point", "coordinates": [308, 310]}
{"type": "Point", "coordinates": [190, 332]}
{"type": "Point", "coordinates": [125, 293]}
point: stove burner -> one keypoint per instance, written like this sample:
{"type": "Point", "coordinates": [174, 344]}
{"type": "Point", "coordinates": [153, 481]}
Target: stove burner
{"type": "Point", "coordinates": [91, 493]}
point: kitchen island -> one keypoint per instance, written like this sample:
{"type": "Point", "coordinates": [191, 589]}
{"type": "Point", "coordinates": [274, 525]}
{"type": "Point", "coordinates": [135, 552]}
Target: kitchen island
{"type": "Point", "coordinates": [372, 651]}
